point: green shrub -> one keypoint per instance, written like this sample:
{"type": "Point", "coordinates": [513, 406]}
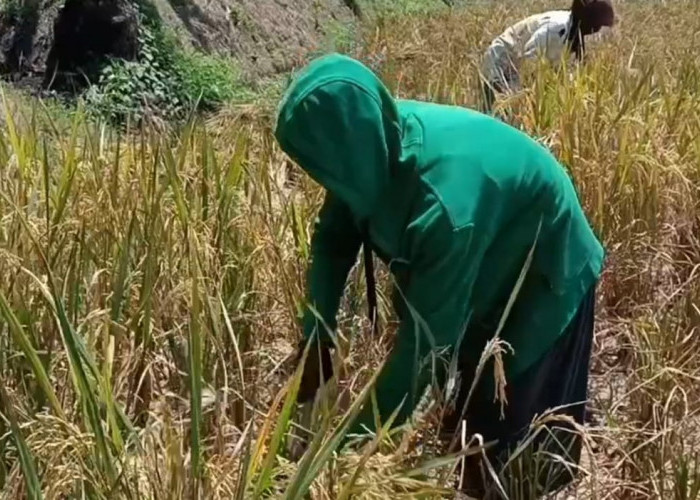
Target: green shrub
{"type": "Point", "coordinates": [133, 88]}
{"type": "Point", "coordinates": [208, 81]}
{"type": "Point", "coordinates": [14, 12]}
{"type": "Point", "coordinates": [166, 80]}
{"type": "Point", "coordinates": [341, 37]}
{"type": "Point", "coordinates": [10, 10]}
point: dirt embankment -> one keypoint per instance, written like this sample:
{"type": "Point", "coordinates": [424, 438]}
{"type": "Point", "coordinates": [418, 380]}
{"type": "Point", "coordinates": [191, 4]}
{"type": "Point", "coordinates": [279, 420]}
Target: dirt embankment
{"type": "Point", "coordinates": [40, 37]}
{"type": "Point", "coordinates": [266, 36]}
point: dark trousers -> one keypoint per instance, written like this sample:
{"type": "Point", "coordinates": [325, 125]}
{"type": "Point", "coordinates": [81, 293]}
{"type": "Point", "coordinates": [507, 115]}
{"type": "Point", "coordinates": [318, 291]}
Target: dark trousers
{"type": "Point", "coordinates": [523, 460]}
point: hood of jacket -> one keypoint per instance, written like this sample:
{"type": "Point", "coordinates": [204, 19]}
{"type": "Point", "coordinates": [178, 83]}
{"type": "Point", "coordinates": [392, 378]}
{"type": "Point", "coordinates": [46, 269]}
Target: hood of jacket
{"type": "Point", "coordinates": [339, 122]}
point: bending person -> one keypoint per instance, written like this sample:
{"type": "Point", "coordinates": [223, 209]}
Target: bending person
{"type": "Point", "coordinates": [550, 35]}
{"type": "Point", "coordinates": [454, 202]}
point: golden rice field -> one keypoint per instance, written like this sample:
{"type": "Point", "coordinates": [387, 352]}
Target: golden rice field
{"type": "Point", "coordinates": [152, 280]}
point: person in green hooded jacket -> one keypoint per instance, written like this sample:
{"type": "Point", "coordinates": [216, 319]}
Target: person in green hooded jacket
{"type": "Point", "coordinates": [459, 205]}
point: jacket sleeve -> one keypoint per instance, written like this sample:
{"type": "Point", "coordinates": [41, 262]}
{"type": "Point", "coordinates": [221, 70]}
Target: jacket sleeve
{"type": "Point", "coordinates": [334, 248]}
{"type": "Point", "coordinates": [438, 304]}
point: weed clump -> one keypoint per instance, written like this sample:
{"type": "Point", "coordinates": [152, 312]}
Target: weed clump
{"type": "Point", "coordinates": [166, 80]}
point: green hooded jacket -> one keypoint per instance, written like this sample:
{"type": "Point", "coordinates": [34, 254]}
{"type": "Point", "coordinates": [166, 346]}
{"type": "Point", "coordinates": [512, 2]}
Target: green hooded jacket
{"type": "Point", "coordinates": [453, 201]}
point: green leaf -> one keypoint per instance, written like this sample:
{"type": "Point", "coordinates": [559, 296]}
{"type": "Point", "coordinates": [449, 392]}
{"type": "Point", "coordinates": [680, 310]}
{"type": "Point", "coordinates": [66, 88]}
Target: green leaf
{"type": "Point", "coordinates": [23, 341]}
{"type": "Point", "coordinates": [26, 459]}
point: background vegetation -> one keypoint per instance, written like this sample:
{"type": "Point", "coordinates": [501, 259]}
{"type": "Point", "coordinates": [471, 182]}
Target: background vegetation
{"type": "Point", "coordinates": [166, 80]}
{"type": "Point", "coordinates": [152, 278]}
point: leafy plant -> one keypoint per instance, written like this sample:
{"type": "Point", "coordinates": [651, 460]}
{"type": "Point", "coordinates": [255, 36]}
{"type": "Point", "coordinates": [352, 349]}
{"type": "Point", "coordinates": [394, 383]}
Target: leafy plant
{"type": "Point", "coordinates": [208, 80]}
{"type": "Point", "coordinates": [14, 11]}
{"type": "Point", "coordinates": [166, 80]}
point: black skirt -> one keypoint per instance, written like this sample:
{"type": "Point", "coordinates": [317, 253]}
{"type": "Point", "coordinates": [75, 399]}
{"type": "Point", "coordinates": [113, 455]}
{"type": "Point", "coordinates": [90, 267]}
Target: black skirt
{"type": "Point", "coordinates": [531, 461]}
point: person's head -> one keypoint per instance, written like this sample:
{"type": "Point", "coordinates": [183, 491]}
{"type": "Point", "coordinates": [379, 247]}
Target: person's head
{"type": "Point", "coordinates": [592, 15]}
{"type": "Point", "coordinates": [341, 125]}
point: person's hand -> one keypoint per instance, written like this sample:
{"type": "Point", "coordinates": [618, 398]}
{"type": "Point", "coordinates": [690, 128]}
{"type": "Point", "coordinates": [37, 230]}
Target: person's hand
{"type": "Point", "coordinates": [318, 369]}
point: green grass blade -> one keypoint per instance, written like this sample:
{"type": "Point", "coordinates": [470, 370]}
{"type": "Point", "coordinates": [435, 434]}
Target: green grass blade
{"type": "Point", "coordinates": [26, 459]}
{"type": "Point", "coordinates": [86, 388]}
{"type": "Point", "coordinates": [282, 424]}
{"type": "Point", "coordinates": [23, 341]}
{"type": "Point", "coordinates": [77, 354]}
{"type": "Point", "coordinates": [15, 138]}
{"type": "Point", "coordinates": [195, 373]}
{"type": "Point", "coordinates": [320, 451]}
{"type": "Point", "coordinates": [176, 186]}
{"type": "Point", "coordinates": [236, 348]}
{"type": "Point", "coordinates": [119, 284]}
{"type": "Point", "coordinates": [68, 172]}
{"type": "Point", "coordinates": [346, 492]}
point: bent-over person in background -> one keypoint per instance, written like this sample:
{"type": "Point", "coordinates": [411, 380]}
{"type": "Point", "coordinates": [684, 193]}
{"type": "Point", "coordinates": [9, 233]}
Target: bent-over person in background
{"type": "Point", "coordinates": [551, 35]}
